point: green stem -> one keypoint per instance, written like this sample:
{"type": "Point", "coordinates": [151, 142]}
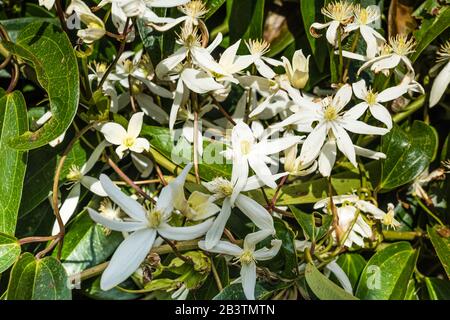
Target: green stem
{"type": "Point", "coordinates": [401, 235]}
{"type": "Point", "coordinates": [410, 109]}
{"type": "Point", "coordinates": [341, 57]}
{"type": "Point", "coordinates": [430, 213]}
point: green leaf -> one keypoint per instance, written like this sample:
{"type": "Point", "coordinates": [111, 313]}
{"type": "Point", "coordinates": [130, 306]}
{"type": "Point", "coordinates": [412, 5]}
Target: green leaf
{"type": "Point", "coordinates": [87, 244]}
{"type": "Point", "coordinates": [308, 223]}
{"type": "Point", "coordinates": [9, 251]}
{"type": "Point", "coordinates": [235, 292]}
{"type": "Point", "coordinates": [38, 279]}
{"type": "Point", "coordinates": [387, 273]}
{"type": "Point", "coordinates": [13, 122]}
{"type": "Point", "coordinates": [442, 247]}
{"type": "Point", "coordinates": [352, 264]}
{"type": "Point", "coordinates": [47, 48]}
{"type": "Point", "coordinates": [408, 153]}
{"type": "Point", "coordinates": [213, 6]}
{"type": "Point", "coordinates": [210, 287]}
{"type": "Point", "coordinates": [92, 290]}
{"type": "Point", "coordinates": [14, 26]}
{"type": "Point", "coordinates": [429, 30]}
{"type": "Point", "coordinates": [310, 10]}
{"type": "Point", "coordinates": [246, 20]}
{"type": "Point", "coordinates": [438, 289]}
{"type": "Point", "coordinates": [287, 252]}
{"type": "Point", "coordinates": [324, 288]}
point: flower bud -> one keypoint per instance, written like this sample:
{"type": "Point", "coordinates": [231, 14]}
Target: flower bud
{"type": "Point", "coordinates": [298, 72]}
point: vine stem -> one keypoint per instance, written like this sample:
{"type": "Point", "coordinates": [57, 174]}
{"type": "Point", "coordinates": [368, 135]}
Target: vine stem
{"type": "Point", "coordinates": [216, 276]}
{"type": "Point", "coordinates": [277, 192]}
{"type": "Point", "coordinates": [61, 17]}
{"type": "Point", "coordinates": [59, 168]}
{"type": "Point", "coordinates": [223, 111]}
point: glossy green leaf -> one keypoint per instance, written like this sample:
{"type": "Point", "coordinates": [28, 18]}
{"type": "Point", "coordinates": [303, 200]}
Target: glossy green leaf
{"type": "Point", "coordinates": [9, 251]}
{"type": "Point", "coordinates": [213, 6]}
{"type": "Point", "coordinates": [287, 253]}
{"type": "Point", "coordinates": [408, 153]}
{"type": "Point", "coordinates": [13, 122]}
{"type": "Point", "coordinates": [14, 26]}
{"type": "Point", "coordinates": [442, 247]}
{"type": "Point", "coordinates": [308, 223]}
{"type": "Point", "coordinates": [92, 290]}
{"type": "Point", "coordinates": [38, 279]}
{"type": "Point", "coordinates": [387, 273]}
{"type": "Point", "coordinates": [352, 264]}
{"type": "Point", "coordinates": [47, 48]}
{"type": "Point", "coordinates": [324, 288]}
{"type": "Point", "coordinates": [430, 29]}
{"type": "Point", "coordinates": [210, 288]}
{"type": "Point", "coordinates": [310, 10]}
{"type": "Point", "coordinates": [87, 244]}
{"type": "Point", "coordinates": [235, 292]}
{"type": "Point", "coordinates": [246, 20]}
{"type": "Point", "coordinates": [438, 289]}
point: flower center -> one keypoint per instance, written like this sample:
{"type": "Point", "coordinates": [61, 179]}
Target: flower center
{"type": "Point", "coordinates": [245, 147]}
{"type": "Point", "coordinates": [341, 11]}
{"type": "Point", "coordinates": [128, 66]}
{"type": "Point", "coordinates": [401, 45]}
{"type": "Point", "coordinates": [195, 9]}
{"type": "Point", "coordinates": [371, 98]}
{"type": "Point", "coordinates": [74, 174]}
{"type": "Point", "coordinates": [246, 257]}
{"type": "Point", "coordinates": [258, 47]}
{"type": "Point", "coordinates": [129, 141]}
{"type": "Point", "coordinates": [444, 52]}
{"type": "Point", "coordinates": [330, 113]}
{"type": "Point", "coordinates": [154, 218]}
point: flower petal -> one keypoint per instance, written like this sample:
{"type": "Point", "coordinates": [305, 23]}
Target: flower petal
{"type": "Point", "coordinates": [135, 124]}
{"type": "Point", "coordinates": [114, 133]}
{"type": "Point", "coordinates": [360, 127]}
{"type": "Point", "coordinates": [248, 278]}
{"type": "Point", "coordinates": [342, 97]}
{"type": "Point", "coordinates": [327, 157]}
{"type": "Point", "coordinates": [360, 89]}
{"type": "Point", "coordinates": [313, 143]}
{"type": "Point", "coordinates": [68, 207]}
{"type": "Point", "coordinates": [440, 84]}
{"type": "Point", "coordinates": [261, 170]}
{"type": "Point", "coordinates": [116, 225]}
{"type": "Point", "coordinates": [267, 254]}
{"type": "Point", "coordinates": [199, 81]}
{"type": "Point", "coordinates": [255, 212]}
{"type": "Point", "coordinates": [223, 247]}
{"type": "Point", "coordinates": [215, 232]}
{"type": "Point", "coordinates": [185, 233]}
{"type": "Point", "coordinates": [93, 158]}
{"type": "Point", "coordinates": [344, 143]}
{"type": "Point", "coordinates": [94, 185]}
{"type": "Point", "coordinates": [382, 114]}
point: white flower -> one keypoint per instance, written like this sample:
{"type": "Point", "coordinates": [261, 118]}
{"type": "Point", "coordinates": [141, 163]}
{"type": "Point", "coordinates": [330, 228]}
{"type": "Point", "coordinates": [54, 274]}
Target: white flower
{"type": "Point", "coordinates": [126, 139]}
{"type": "Point", "coordinates": [247, 256]}
{"type": "Point", "coordinates": [223, 189]}
{"type": "Point", "coordinates": [78, 177]}
{"type": "Point", "coordinates": [330, 121]}
{"type": "Point", "coordinates": [48, 4]}
{"type": "Point", "coordinates": [397, 51]}
{"type": "Point", "coordinates": [363, 18]}
{"type": "Point", "coordinates": [121, 10]}
{"type": "Point", "coordinates": [442, 80]}
{"type": "Point", "coordinates": [340, 13]}
{"type": "Point", "coordinates": [373, 100]}
{"type": "Point", "coordinates": [144, 226]}
{"type": "Point", "coordinates": [95, 26]}
{"type": "Point", "coordinates": [247, 152]}
{"type": "Point", "coordinates": [257, 50]}
{"type": "Point", "coordinates": [151, 17]}
{"type": "Point", "coordinates": [298, 71]}
{"type": "Point", "coordinates": [193, 11]}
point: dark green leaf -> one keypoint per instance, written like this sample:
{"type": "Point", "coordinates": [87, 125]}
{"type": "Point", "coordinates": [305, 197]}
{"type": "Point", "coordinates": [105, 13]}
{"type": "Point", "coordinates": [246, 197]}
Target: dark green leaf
{"type": "Point", "coordinates": [324, 288]}
{"type": "Point", "coordinates": [213, 6]}
{"type": "Point", "coordinates": [442, 247]}
{"type": "Point", "coordinates": [210, 288]}
{"type": "Point", "coordinates": [387, 273]}
{"type": "Point", "coordinates": [235, 292]}
{"type": "Point", "coordinates": [353, 265]}
{"type": "Point", "coordinates": [408, 153]}
{"type": "Point", "coordinates": [38, 279]}
{"type": "Point", "coordinates": [14, 26]}
{"type": "Point", "coordinates": [9, 251]}
{"type": "Point", "coordinates": [438, 289]}
{"type": "Point", "coordinates": [13, 123]}
{"type": "Point", "coordinates": [308, 224]}
{"type": "Point", "coordinates": [47, 48]}
{"type": "Point", "coordinates": [246, 20]}
{"type": "Point", "coordinates": [287, 252]}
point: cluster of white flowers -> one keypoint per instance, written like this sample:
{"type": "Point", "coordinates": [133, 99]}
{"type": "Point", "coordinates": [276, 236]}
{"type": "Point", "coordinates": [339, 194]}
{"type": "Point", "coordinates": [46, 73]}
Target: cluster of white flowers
{"type": "Point", "coordinates": [271, 103]}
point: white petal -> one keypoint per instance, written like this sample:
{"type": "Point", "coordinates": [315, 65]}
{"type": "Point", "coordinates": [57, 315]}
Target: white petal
{"type": "Point", "coordinates": [440, 84]}
{"type": "Point", "coordinates": [94, 185]}
{"type": "Point", "coordinates": [344, 143]}
{"type": "Point", "coordinates": [360, 127]}
{"type": "Point", "coordinates": [199, 81]}
{"type": "Point", "coordinates": [204, 59]}
{"type": "Point", "coordinates": [356, 111]}
{"type": "Point", "coordinates": [276, 145]}
{"type": "Point", "coordinates": [360, 89]}
{"type": "Point", "coordinates": [255, 212]}
{"type": "Point", "coordinates": [382, 114]}
{"type": "Point", "coordinates": [167, 3]}
{"type": "Point", "coordinates": [215, 232]}
{"type": "Point", "coordinates": [172, 195]}
{"type": "Point", "coordinates": [135, 124]}
{"type": "Point", "coordinates": [151, 109]}
{"type": "Point", "coordinates": [140, 145]}
{"type": "Point", "coordinates": [223, 247]}
{"type": "Point", "coordinates": [332, 32]}
{"type": "Point", "coordinates": [116, 225]}
{"type": "Point", "coordinates": [267, 254]}
{"type": "Point", "coordinates": [185, 233]}
{"type": "Point", "coordinates": [371, 41]}
{"type": "Point", "coordinates": [388, 62]}
{"type": "Point", "coordinates": [254, 182]}
{"type": "Point", "coordinates": [261, 170]}
{"type": "Point", "coordinates": [252, 239]}
{"type": "Point", "coordinates": [170, 63]}
{"type": "Point", "coordinates": [341, 276]}
{"type": "Point", "coordinates": [93, 158]}
{"type": "Point", "coordinates": [327, 157]}
{"type": "Point", "coordinates": [264, 69]}
{"type": "Point", "coordinates": [158, 90]}
{"type": "Point", "coordinates": [177, 102]}
{"type": "Point", "coordinates": [142, 163]}
{"type": "Point", "coordinates": [127, 258]}
{"type": "Point", "coordinates": [392, 93]}
{"type": "Point", "coordinates": [239, 176]}
{"type": "Point", "coordinates": [313, 143]}
{"type": "Point", "coordinates": [216, 42]}
{"type": "Point", "coordinates": [248, 278]}
{"type": "Point", "coordinates": [342, 97]}
{"type": "Point", "coordinates": [126, 203]}
{"type": "Point", "coordinates": [370, 208]}
{"type": "Point", "coordinates": [114, 133]}
{"type": "Point", "coordinates": [68, 207]}
{"type": "Point", "coordinates": [363, 152]}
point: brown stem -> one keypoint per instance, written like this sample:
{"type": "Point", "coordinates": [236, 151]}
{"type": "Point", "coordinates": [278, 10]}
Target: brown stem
{"type": "Point", "coordinates": [223, 111]}
{"type": "Point", "coordinates": [14, 78]}
{"type": "Point", "coordinates": [275, 196]}
{"type": "Point", "coordinates": [175, 250]}
{"type": "Point", "coordinates": [60, 13]}
{"type": "Point", "coordinates": [35, 239]}
{"type": "Point", "coordinates": [141, 182]}
{"type": "Point", "coordinates": [127, 179]}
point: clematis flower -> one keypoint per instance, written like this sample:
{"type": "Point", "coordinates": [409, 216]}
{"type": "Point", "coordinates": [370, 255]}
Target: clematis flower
{"type": "Point", "coordinates": [121, 10]}
{"type": "Point", "coordinates": [151, 17]}
{"type": "Point", "coordinates": [224, 189]}
{"type": "Point", "coordinates": [340, 13]}
{"type": "Point", "coordinates": [126, 139]}
{"type": "Point", "coordinates": [350, 220]}
{"type": "Point", "coordinates": [95, 27]}
{"type": "Point", "coordinates": [332, 122]}
{"type": "Point", "coordinates": [247, 256]}
{"type": "Point", "coordinates": [144, 225]}
{"type": "Point", "coordinates": [298, 71]}
{"type": "Point", "coordinates": [373, 100]}
{"type": "Point", "coordinates": [258, 48]}
{"type": "Point", "coordinates": [78, 177]}
{"type": "Point", "coordinates": [397, 51]}
{"type": "Point", "coordinates": [247, 152]}
{"type": "Point", "coordinates": [363, 18]}
{"type": "Point", "coordinates": [442, 80]}
{"type": "Point", "coordinates": [193, 11]}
